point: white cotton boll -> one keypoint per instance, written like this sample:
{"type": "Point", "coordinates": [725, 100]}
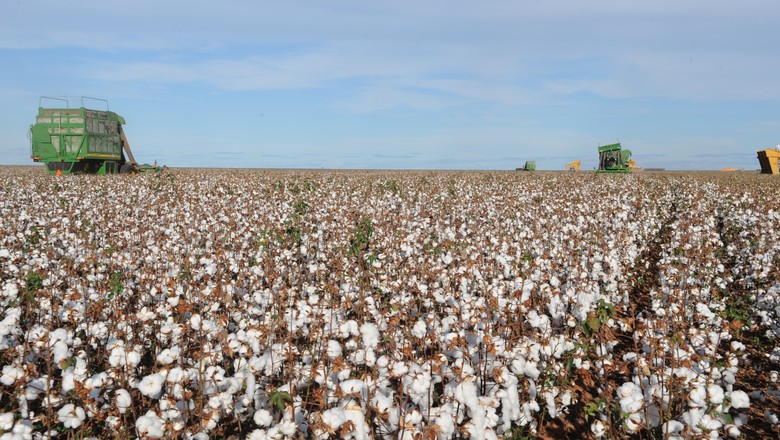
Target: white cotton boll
{"type": "Point", "coordinates": [348, 328]}
{"type": "Point", "coordinates": [672, 428]}
{"type": "Point", "coordinates": [398, 369]}
{"type": "Point", "coordinates": [627, 389]}
{"type": "Point", "coordinates": [123, 400]}
{"type": "Point", "coordinates": [549, 399]}
{"type": "Point", "coordinates": [633, 422]}
{"type": "Point", "coordinates": [132, 358]}
{"type": "Point", "coordinates": [732, 431]}
{"type": "Point", "coordinates": [150, 425]}
{"type": "Point", "coordinates": [361, 429]}
{"type": "Point", "coordinates": [168, 356]}
{"type": "Point", "coordinates": [466, 393]}
{"type": "Point", "coordinates": [22, 430]}
{"type": "Point", "coordinates": [258, 434]}
{"type": "Point", "coordinates": [196, 322]}
{"type": "Point", "coordinates": [176, 375]}
{"type": "Point", "coordinates": [71, 416]}
{"type": "Point", "coordinates": [446, 425]}
{"type": "Point", "coordinates": [370, 358]}
{"type": "Point", "coordinates": [737, 346]}
{"type": "Point", "coordinates": [151, 385]}
{"type": "Point", "coordinates": [729, 379]}
{"type": "Point", "coordinates": [697, 397]}
{"type": "Point", "coordinates": [420, 329]}
{"type": "Point", "coordinates": [6, 421]}
{"type": "Point", "coordinates": [413, 418]}
{"type": "Point", "coordinates": [739, 399]}
{"type": "Point", "coordinates": [10, 375]}
{"type": "Point", "coordinates": [598, 429]}
{"type": "Point", "coordinates": [263, 418]}
{"type": "Point", "coordinates": [771, 418]}
{"type": "Point", "coordinates": [333, 418]}
{"type": "Point", "coordinates": [715, 394]}
{"type": "Point", "coordinates": [370, 334]}
{"type": "Point", "coordinates": [709, 423]}
{"type": "Point", "coordinates": [60, 337]}
{"type": "Point", "coordinates": [334, 349]}
{"type": "Point", "coordinates": [352, 386]}
{"type": "Point", "coordinates": [37, 386]}
{"type": "Point", "coordinates": [531, 370]}
{"type": "Point", "coordinates": [692, 418]}
{"type": "Point", "coordinates": [287, 428]}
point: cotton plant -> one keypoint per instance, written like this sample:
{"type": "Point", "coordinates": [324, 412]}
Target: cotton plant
{"type": "Point", "coordinates": [257, 304]}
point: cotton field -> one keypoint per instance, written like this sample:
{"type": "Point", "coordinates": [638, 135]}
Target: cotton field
{"type": "Point", "coordinates": [277, 304]}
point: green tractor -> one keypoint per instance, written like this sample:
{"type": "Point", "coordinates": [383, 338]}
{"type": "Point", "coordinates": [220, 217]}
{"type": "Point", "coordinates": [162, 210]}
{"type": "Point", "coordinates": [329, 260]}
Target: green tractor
{"type": "Point", "coordinates": [82, 141]}
{"type": "Point", "coordinates": [614, 159]}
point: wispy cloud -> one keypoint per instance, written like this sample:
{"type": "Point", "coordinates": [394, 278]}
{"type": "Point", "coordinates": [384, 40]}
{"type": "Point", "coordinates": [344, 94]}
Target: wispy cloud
{"type": "Point", "coordinates": [443, 80]}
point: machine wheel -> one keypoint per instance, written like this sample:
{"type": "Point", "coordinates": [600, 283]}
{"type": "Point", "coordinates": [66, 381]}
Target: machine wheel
{"type": "Point", "coordinates": [126, 169]}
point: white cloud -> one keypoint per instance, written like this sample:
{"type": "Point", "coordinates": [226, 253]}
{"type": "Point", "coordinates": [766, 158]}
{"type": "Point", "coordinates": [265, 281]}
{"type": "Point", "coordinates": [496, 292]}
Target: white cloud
{"type": "Point", "coordinates": [476, 66]}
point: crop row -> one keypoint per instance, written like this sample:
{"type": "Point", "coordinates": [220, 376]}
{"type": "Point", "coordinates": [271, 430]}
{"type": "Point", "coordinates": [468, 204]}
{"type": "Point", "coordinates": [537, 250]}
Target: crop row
{"type": "Point", "coordinates": [382, 304]}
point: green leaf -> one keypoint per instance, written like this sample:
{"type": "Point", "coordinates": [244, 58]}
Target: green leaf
{"type": "Point", "coordinates": [594, 323]}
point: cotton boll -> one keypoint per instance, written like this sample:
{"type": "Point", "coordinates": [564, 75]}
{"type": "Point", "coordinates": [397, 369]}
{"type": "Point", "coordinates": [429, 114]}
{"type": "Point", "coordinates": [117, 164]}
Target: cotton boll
{"type": "Point", "coordinates": [531, 370]}
{"type": "Point", "coordinates": [150, 425]}
{"type": "Point", "coordinates": [692, 418]}
{"type": "Point", "coordinates": [732, 431]}
{"type": "Point", "coordinates": [598, 429]}
{"type": "Point", "coordinates": [445, 424]}
{"type": "Point", "coordinates": [6, 421]}
{"type": "Point", "coordinates": [334, 349]}
{"type": "Point", "coordinates": [59, 344]}
{"type": "Point", "coordinates": [352, 386]}
{"type": "Point", "coordinates": [361, 428]}
{"type": "Point", "coordinates": [697, 397]}
{"type": "Point", "coordinates": [370, 334]}
{"type": "Point", "coordinates": [71, 416]}
{"type": "Point", "coordinates": [196, 322]}
{"type": "Point", "coordinates": [633, 422]}
{"type": "Point", "coordinates": [549, 399]}
{"type": "Point", "coordinates": [739, 399]}
{"type": "Point", "coordinates": [22, 430]}
{"type": "Point", "coordinates": [709, 423]}
{"type": "Point", "coordinates": [420, 329]}
{"type": "Point", "coordinates": [263, 418]}
{"type": "Point", "coordinates": [333, 418]}
{"type": "Point", "coordinates": [151, 385]}
{"type": "Point", "coordinates": [10, 375]}
{"type": "Point", "coordinates": [287, 428]}
{"type": "Point", "coordinates": [672, 428]}
{"type": "Point", "coordinates": [168, 356]}
{"type": "Point", "coordinates": [258, 434]}
{"type": "Point", "coordinates": [123, 400]}
{"type": "Point", "coordinates": [715, 394]}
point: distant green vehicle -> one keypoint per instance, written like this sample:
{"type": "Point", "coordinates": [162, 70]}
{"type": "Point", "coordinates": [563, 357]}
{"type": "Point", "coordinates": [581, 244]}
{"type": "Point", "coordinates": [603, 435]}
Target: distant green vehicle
{"type": "Point", "coordinates": [530, 165]}
{"type": "Point", "coordinates": [81, 140]}
{"type": "Point", "coordinates": [614, 159]}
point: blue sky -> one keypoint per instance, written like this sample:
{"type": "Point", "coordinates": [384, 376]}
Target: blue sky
{"type": "Point", "coordinates": [452, 84]}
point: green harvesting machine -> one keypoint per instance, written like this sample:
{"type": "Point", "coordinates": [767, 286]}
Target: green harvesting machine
{"type": "Point", "coordinates": [82, 140]}
{"type": "Point", "coordinates": [530, 165]}
{"type": "Point", "coordinates": [614, 159]}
